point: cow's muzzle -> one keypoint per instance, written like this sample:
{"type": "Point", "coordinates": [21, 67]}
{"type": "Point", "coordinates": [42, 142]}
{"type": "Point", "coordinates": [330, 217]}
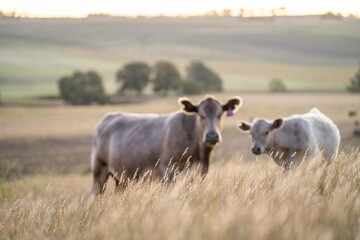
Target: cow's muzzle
{"type": "Point", "coordinates": [212, 138]}
{"type": "Point", "coordinates": [256, 150]}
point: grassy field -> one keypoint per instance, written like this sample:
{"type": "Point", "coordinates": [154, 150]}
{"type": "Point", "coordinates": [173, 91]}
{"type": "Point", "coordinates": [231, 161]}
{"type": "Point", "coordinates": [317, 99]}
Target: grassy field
{"type": "Point", "coordinates": [26, 131]}
{"type": "Point", "coordinates": [308, 54]}
{"type": "Point", "coordinates": [45, 146]}
{"type": "Point", "coordinates": [235, 201]}
{"type": "Point", "coordinates": [45, 180]}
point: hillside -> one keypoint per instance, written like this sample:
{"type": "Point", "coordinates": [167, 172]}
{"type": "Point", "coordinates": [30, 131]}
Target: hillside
{"type": "Point", "coordinates": [308, 54]}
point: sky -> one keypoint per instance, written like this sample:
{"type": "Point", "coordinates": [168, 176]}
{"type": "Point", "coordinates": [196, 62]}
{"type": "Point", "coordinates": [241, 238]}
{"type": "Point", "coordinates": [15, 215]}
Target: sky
{"type": "Point", "coordinates": [81, 8]}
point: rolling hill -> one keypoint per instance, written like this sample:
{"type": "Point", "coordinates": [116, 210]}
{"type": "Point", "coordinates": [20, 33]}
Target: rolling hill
{"type": "Point", "coordinates": [309, 54]}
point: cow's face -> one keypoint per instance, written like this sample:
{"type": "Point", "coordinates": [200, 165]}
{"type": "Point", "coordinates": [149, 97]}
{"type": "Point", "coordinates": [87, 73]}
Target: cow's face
{"type": "Point", "coordinates": [210, 112]}
{"type": "Point", "coordinates": [261, 132]}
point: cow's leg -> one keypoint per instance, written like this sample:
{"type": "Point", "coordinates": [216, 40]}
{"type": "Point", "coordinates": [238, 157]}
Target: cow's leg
{"type": "Point", "coordinates": [292, 157]}
{"type": "Point", "coordinates": [120, 182]}
{"type": "Point", "coordinates": [100, 175]}
{"type": "Point", "coordinates": [299, 156]}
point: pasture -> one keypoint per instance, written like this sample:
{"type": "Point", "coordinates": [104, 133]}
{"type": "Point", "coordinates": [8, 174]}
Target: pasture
{"type": "Point", "coordinates": [45, 180]}
{"type": "Point", "coordinates": [307, 53]}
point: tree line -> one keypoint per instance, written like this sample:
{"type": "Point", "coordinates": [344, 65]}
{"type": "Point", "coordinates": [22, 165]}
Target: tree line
{"type": "Point", "coordinates": [83, 88]}
{"type": "Point", "coordinates": [86, 88]}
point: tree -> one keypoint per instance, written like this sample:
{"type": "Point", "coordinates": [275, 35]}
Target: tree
{"type": "Point", "coordinates": [226, 12]}
{"type": "Point", "coordinates": [277, 85]}
{"type": "Point", "coordinates": [212, 13]}
{"type": "Point", "coordinates": [82, 88]}
{"type": "Point", "coordinates": [355, 82]}
{"type": "Point", "coordinates": [282, 11]}
{"type": "Point", "coordinates": [166, 78]}
{"type": "Point", "coordinates": [331, 16]}
{"type": "Point", "coordinates": [241, 12]}
{"type": "Point", "coordinates": [134, 76]}
{"type": "Point", "coordinates": [190, 88]}
{"type": "Point", "coordinates": [204, 77]}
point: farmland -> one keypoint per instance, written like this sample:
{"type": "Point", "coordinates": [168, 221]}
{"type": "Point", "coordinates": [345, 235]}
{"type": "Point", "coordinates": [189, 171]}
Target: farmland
{"type": "Point", "coordinates": [308, 54]}
{"type": "Point", "coordinates": [45, 145]}
{"type": "Point", "coordinates": [44, 155]}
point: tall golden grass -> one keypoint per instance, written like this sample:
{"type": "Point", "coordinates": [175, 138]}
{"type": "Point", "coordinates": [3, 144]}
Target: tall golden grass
{"type": "Point", "coordinates": [237, 200]}
{"type": "Point", "coordinates": [245, 199]}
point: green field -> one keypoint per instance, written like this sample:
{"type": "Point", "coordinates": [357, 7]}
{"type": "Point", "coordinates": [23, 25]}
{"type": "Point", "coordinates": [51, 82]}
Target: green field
{"type": "Point", "coordinates": [307, 53]}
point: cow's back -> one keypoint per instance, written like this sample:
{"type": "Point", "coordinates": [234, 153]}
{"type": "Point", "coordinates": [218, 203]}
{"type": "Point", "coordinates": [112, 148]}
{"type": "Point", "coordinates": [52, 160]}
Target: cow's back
{"type": "Point", "coordinates": [129, 141]}
{"type": "Point", "coordinates": [326, 133]}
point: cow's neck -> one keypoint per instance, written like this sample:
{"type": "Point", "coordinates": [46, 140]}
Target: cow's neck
{"type": "Point", "coordinates": [205, 154]}
{"type": "Point", "coordinates": [277, 140]}
{"type": "Point", "coordinates": [204, 150]}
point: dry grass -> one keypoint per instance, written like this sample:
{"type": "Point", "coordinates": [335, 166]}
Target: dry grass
{"type": "Point", "coordinates": [236, 200]}
{"type": "Point", "coordinates": [245, 199]}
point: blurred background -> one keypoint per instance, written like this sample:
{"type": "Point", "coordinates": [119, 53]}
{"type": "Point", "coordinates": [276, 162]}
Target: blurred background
{"type": "Point", "coordinates": [64, 64]}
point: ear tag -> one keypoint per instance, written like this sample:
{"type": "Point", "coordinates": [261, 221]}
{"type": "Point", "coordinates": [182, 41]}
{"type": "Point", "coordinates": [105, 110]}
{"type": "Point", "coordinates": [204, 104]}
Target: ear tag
{"type": "Point", "coordinates": [229, 113]}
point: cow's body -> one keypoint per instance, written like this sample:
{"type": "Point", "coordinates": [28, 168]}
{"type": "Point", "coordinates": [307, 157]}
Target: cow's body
{"type": "Point", "coordinates": [136, 142]}
{"type": "Point", "coordinates": [127, 145]}
{"type": "Point", "coordinates": [308, 136]}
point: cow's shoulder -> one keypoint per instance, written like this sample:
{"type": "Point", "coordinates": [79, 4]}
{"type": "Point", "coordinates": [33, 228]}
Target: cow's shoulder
{"type": "Point", "coordinates": [297, 131]}
{"type": "Point", "coordinates": [182, 124]}
{"type": "Point", "coordinates": [188, 122]}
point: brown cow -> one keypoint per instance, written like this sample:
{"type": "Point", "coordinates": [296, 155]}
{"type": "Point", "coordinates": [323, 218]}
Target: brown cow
{"type": "Point", "coordinates": [126, 145]}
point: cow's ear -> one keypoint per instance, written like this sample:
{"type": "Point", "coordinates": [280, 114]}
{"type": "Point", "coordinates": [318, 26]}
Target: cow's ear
{"type": "Point", "coordinates": [233, 104]}
{"type": "Point", "coordinates": [244, 126]}
{"type": "Point", "coordinates": [187, 105]}
{"type": "Point", "coordinates": [277, 123]}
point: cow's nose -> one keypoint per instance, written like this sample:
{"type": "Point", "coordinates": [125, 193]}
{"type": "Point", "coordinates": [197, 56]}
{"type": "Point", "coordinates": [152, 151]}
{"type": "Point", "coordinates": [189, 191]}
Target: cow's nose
{"type": "Point", "coordinates": [256, 150]}
{"type": "Point", "coordinates": [212, 137]}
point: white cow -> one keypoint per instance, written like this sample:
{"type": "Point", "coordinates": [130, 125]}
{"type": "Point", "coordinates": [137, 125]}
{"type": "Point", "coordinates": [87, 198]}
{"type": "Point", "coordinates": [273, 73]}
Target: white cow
{"type": "Point", "coordinates": [290, 140]}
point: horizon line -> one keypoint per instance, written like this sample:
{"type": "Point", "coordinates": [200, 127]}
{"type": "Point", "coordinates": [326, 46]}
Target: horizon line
{"type": "Point", "coordinates": [15, 14]}
{"type": "Point", "coordinates": [212, 13]}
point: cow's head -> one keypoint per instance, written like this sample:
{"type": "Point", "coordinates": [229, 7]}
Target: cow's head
{"type": "Point", "coordinates": [261, 132]}
{"type": "Point", "coordinates": [210, 112]}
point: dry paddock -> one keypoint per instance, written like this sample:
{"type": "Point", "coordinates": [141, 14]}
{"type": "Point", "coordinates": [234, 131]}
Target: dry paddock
{"type": "Point", "coordinates": [58, 139]}
{"type": "Point", "coordinates": [45, 180]}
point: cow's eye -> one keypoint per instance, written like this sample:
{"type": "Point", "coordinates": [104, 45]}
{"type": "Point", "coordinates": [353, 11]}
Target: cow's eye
{"type": "Point", "coordinates": [202, 117]}
{"type": "Point", "coordinates": [267, 133]}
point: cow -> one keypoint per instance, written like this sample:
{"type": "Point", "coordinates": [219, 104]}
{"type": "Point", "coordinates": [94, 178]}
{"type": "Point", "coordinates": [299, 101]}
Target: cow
{"type": "Point", "coordinates": [290, 140]}
{"type": "Point", "coordinates": [125, 145]}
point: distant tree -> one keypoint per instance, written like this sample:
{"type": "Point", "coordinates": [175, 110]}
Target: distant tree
{"type": "Point", "coordinates": [241, 12]}
{"type": "Point", "coordinates": [273, 12]}
{"type": "Point", "coordinates": [277, 85]}
{"type": "Point", "coordinates": [207, 79]}
{"type": "Point", "coordinates": [82, 88]}
{"type": "Point", "coordinates": [133, 76]}
{"type": "Point", "coordinates": [226, 12]}
{"type": "Point", "coordinates": [331, 16]}
{"type": "Point", "coordinates": [355, 82]}
{"type": "Point", "coordinates": [282, 10]}
{"type": "Point", "coordinates": [166, 78]}
{"type": "Point", "coordinates": [211, 13]}
{"type": "Point", "coordinates": [190, 88]}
